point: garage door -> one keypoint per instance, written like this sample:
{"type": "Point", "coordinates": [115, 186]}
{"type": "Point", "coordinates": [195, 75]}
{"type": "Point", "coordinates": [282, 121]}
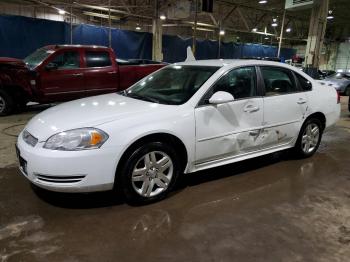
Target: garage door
{"type": "Point", "coordinates": [343, 57]}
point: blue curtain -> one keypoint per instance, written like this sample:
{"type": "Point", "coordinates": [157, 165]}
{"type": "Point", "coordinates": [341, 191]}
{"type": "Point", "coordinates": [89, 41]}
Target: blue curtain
{"type": "Point", "coordinates": [20, 36]}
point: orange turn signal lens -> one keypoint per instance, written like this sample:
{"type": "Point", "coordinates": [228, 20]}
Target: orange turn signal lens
{"type": "Point", "coordinates": [96, 138]}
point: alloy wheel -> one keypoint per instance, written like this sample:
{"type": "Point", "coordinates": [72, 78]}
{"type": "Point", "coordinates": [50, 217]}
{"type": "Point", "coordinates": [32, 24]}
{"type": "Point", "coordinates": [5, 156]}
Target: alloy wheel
{"type": "Point", "coordinates": [152, 174]}
{"type": "Point", "coordinates": [2, 104]}
{"type": "Point", "coordinates": [310, 138]}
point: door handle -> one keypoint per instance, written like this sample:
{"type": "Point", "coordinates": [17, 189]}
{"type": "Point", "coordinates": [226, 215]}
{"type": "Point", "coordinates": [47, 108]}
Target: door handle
{"type": "Point", "coordinates": [251, 109]}
{"type": "Point", "coordinates": [78, 74]}
{"type": "Point", "coordinates": [112, 73]}
{"type": "Point", "coordinates": [301, 101]}
{"type": "Point", "coordinates": [254, 133]}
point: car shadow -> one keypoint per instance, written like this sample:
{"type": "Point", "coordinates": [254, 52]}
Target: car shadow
{"type": "Point", "coordinates": [113, 198]}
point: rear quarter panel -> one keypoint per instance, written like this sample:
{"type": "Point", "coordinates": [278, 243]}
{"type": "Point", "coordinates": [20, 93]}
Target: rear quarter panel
{"type": "Point", "coordinates": [323, 98]}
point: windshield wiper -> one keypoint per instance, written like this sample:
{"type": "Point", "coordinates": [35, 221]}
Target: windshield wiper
{"type": "Point", "coordinates": [145, 98]}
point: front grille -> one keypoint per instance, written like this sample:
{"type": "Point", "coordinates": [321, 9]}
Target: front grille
{"type": "Point", "coordinates": [60, 179]}
{"type": "Point", "coordinates": [29, 139]}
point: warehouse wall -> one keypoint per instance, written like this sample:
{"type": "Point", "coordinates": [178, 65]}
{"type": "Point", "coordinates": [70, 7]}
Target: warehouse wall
{"type": "Point", "coordinates": [127, 44]}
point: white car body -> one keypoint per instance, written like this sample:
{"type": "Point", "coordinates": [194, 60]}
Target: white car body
{"type": "Point", "coordinates": [213, 135]}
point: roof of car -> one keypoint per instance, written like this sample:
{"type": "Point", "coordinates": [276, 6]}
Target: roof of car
{"type": "Point", "coordinates": [74, 46]}
{"type": "Point", "coordinates": [237, 62]}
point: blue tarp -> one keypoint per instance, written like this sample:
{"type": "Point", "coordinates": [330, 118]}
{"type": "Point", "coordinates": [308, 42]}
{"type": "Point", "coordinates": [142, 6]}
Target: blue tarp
{"type": "Point", "coordinates": [19, 36]}
{"type": "Point", "coordinates": [174, 49]}
{"type": "Point", "coordinates": [126, 44]}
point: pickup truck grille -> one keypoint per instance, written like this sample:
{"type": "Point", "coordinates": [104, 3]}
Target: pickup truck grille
{"type": "Point", "coordinates": [29, 139]}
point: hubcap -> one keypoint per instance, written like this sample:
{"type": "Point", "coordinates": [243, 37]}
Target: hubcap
{"type": "Point", "coordinates": [152, 174]}
{"type": "Point", "coordinates": [2, 104]}
{"type": "Point", "coordinates": [310, 138]}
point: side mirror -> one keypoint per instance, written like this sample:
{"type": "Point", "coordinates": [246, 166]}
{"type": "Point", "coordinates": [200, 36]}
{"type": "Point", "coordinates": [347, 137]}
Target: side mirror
{"type": "Point", "coordinates": [51, 66]}
{"type": "Point", "coordinates": [221, 97]}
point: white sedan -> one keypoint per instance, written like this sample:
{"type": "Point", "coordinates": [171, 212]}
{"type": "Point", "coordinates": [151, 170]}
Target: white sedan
{"type": "Point", "coordinates": [183, 118]}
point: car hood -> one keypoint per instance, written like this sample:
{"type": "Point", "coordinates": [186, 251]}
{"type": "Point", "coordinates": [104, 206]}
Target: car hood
{"type": "Point", "coordinates": [9, 60]}
{"type": "Point", "coordinates": [87, 112]}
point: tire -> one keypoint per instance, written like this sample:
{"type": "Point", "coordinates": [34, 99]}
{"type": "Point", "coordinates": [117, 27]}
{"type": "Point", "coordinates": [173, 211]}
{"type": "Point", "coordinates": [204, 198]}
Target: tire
{"type": "Point", "coordinates": [309, 138]}
{"type": "Point", "coordinates": [6, 103]}
{"type": "Point", "coordinates": [141, 180]}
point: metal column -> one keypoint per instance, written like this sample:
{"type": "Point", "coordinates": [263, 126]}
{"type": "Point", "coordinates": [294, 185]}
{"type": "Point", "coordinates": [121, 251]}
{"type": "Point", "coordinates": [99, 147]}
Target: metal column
{"type": "Point", "coordinates": [317, 29]}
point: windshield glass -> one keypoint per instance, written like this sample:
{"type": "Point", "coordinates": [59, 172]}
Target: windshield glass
{"type": "Point", "coordinates": [173, 85]}
{"type": "Point", "coordinates": [37, 57]}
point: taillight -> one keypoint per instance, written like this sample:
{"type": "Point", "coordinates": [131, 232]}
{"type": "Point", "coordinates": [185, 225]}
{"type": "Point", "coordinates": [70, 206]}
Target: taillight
{"type": "Point", "coordinates": [338, 97]}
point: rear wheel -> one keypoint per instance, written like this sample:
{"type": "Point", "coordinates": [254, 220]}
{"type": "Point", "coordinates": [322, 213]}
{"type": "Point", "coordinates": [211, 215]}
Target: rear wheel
{"type": "Point", "coordinates": [149, 173]}
{"type": "Point", "coordinates": [309, 138]}
{"type": "Point", "coordinates": [6, 103]}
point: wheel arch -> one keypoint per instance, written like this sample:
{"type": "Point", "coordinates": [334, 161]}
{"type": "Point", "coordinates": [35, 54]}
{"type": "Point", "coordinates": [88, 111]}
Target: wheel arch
{"type": "Point", "coordinates": [168, 138]}
{"type": "Point", "coordinates": [318, 115]}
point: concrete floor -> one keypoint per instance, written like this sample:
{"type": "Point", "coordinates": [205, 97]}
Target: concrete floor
{"type": "Point", "coordinates": [268, 209]}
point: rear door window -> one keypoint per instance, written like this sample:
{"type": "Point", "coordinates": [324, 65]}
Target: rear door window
{"type": "Point", "coordinates": [97, 59]}
{"type": "Point", "coordinates": [278, 81]}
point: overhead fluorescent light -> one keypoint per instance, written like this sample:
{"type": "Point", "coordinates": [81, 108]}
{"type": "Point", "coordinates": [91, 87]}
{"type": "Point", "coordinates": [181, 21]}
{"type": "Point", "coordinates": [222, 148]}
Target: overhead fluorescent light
{"type": "Point", "coordinates": [162, 17]}
{"type": "Point", "coordinates": [262, 2]}
{"type": "Point", "coordinates": [138, 28]}
{"type": "Point", "coordinates": [222, 32]}
{"type": "Point", "coordinates": [61, 11]}
{"type": "Point", "coordinates": [288, 30]}
{"type": "Point", "coordinates": [203, 29]}
{"type": "Point", "coordinates": [255, 29]}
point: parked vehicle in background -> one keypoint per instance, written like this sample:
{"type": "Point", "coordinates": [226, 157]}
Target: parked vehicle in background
{"type": "Point", "coordinates": [325, 73]}
{"type": "Point", "coordinates": [340, 81]}
{"type": "Point", "coordinates": [64, 72]}
{"type": "Point", "coordinates": [185, 117]}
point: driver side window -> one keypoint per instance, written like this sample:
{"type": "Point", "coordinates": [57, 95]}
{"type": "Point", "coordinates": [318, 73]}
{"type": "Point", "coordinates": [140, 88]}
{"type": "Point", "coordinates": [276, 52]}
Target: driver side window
{"type": "Point", "coordinates": [67, 60]}
{"type": "Point", "coordinates": [240, 83]}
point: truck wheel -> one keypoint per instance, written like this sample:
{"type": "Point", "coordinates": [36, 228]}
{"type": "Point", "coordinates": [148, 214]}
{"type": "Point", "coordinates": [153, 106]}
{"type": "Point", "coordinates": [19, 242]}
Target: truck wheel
{"type": "Point", "coordinates": [6, 103]}
{"type": "Point", "coordinates": [309, 138]}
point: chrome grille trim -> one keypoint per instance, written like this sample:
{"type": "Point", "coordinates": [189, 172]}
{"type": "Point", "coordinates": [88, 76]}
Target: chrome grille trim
{"type": "Point", "coordinates": [29, 139]}
{"type": "Point", "coordinates": [60, 179]}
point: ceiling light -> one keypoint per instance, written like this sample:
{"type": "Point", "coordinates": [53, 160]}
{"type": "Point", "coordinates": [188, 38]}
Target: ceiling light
{"type": "Point", "coordinates": [222, 32]}
{"type": "Point", "coordinates": [266, 38]}
{"type": "Point", "coordinates": [288, 30]}
{"type": "Point", "coordinates": [274, 24]}
{"type": "Point", "coordinates": [138, 28]}
{"type": "Point", "coordinates": [162, 17]}
{"type": "Point", "coordinates": [61, 12]}
{"type": "Point", "coordinates": [255, 29]}
{"type": "Point", "coordinates": [262, 1]}
{"type": "Point", "coordinates": [330, 15]}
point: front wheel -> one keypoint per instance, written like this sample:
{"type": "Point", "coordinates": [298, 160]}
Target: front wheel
{"type": "Point", "coordinates": [6, 103]}
{"type": "Point", "coordinates": [149, 173]}
{"type": "Point", "coordinates": [309, 138]}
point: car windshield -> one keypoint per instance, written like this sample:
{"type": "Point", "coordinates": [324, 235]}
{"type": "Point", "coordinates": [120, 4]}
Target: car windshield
{"type": "Point", "coordinates": [37, 57]}
{"type": "Point", "coordinates": [173, 85]}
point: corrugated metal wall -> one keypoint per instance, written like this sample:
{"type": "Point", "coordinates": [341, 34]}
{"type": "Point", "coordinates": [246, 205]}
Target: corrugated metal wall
{"type": "Point", "coordinates": [343, 56]}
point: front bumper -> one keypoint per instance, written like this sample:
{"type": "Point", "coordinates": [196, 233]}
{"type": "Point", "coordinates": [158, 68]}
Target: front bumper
{"type": "Point", "coordinates": [68, 171]}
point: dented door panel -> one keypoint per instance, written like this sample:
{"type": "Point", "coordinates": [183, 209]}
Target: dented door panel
{"type": "Point", "coordinates": [228, 129]}
{"type": "Point", "coordinates": [283, 117]}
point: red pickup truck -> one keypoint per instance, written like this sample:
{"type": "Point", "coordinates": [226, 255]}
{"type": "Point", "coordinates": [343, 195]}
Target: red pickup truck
{"type": "Point", "coordinates": [64, 72]}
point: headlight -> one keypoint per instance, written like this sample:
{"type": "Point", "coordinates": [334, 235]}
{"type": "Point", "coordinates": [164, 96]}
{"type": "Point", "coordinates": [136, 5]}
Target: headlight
{"type": "Point", "coordinates": [77, 139]}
